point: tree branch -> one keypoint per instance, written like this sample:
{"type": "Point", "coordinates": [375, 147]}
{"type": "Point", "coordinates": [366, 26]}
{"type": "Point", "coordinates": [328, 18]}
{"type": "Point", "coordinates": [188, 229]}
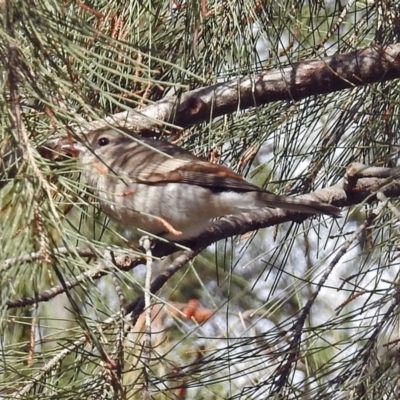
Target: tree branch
{"type": "Point", "coordinates": [292, 83]}
{"type": "Point", "coordinates": [362, 189]}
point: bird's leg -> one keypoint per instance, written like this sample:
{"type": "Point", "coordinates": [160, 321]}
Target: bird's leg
{"type": "Point", "coordinates": [168, 227]}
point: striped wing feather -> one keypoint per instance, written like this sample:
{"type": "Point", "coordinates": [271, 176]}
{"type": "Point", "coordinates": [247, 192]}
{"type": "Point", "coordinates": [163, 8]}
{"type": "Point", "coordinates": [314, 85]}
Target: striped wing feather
{"type": "Point", "coordinates": [201, 173]}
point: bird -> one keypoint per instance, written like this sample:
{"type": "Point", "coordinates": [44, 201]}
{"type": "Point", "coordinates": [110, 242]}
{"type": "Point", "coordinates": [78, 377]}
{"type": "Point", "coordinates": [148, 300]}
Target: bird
{"type": "Point", "coordinates": [162, 189]}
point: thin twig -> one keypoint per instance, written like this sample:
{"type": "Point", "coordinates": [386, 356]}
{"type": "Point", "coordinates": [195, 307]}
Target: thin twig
{"type": "Point", "coordinates": [123, 262]}
{"type": "Point", "coordinates": [145, 242]}
{"type": "Point", "coordinates": [25, 258]}
{"type": "Point", "coordinates": [49, 366]}
{"type": "Point", "coordinates": [136, 307]}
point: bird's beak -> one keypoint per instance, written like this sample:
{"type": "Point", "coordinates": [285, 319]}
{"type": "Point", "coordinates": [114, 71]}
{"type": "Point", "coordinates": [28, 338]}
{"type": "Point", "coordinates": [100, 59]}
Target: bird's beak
{"type": "Point", "coordinates": [74, 149]}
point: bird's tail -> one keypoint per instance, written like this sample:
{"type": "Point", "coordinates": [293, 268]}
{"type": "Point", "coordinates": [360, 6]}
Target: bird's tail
{"type": "Point", "coordinates": [299, 204]}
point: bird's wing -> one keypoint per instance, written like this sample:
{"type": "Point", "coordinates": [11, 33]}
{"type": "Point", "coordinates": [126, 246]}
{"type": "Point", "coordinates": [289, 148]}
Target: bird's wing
{"type": "Point", "coordinates": [194, 172]}
{"type": "Point", "coordinates": [160, 162]}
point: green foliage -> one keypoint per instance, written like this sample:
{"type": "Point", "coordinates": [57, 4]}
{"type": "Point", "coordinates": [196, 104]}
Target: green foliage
{"type": "Point", "coordinates": [67, 63]}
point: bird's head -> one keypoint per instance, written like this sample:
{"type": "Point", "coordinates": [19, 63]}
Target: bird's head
{"type": "Point", "coordinates": [99, 144]}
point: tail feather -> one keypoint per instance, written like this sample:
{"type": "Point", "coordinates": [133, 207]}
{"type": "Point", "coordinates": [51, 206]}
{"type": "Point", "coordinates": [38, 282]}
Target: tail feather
{"type": "Point", "coordinates": [299, 204]}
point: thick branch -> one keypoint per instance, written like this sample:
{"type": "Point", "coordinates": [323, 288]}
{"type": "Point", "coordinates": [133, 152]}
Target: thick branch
{"type": "Point", "coordinates": [340, 195]}
{"type": "Point", "coordinates": [363, 189]}
{"type": "Point", "coordinates": [295, 82]}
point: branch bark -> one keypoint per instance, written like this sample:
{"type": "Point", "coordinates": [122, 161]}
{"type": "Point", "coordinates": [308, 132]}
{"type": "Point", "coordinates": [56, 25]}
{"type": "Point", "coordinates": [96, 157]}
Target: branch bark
{"type": "Point", "coordinates": [341, 195]}
{"type": "Point", "coordinates": [364, 189]}
{"type": "Point", "coordinates": [295, 82]}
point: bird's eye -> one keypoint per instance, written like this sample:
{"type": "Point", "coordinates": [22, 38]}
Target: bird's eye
{"type": "Point", "coordinates": [103, 141]}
